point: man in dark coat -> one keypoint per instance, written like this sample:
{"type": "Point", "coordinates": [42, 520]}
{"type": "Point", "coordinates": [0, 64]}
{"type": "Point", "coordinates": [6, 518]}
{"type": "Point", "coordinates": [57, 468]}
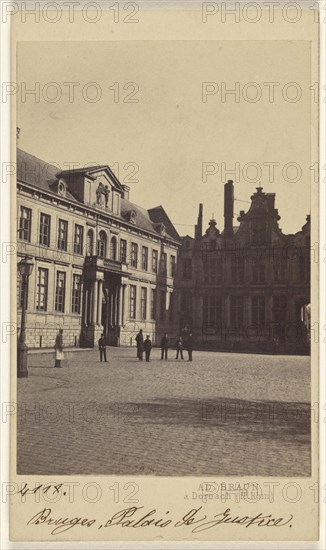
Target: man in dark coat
{"type": "Point", "coordinates": [147, 347]}
{"type": "Point", "coordinates": [190, 346]}
{"type": "Point", "coordinates": [140, 345]}
{"type": "Point", "coordinates": [164, 347]}
{"type": "Point", "coordinates": [179, 347]}
{"type": "Point", "coordinates": [102, 348]}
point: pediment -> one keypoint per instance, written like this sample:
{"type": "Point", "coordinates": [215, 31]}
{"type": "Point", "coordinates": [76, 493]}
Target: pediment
{"type": "Point", "coordinates": [106, 175]}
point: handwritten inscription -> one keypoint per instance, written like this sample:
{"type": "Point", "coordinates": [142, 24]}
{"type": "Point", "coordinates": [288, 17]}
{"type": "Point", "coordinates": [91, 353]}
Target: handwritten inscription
{"type": "Point", "coordinates": [137, 517]}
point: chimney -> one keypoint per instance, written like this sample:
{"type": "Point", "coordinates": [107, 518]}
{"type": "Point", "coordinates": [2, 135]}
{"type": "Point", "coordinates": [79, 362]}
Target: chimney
{"type": "Point", "coordinates": [126, 192]}
{"type": "Point", "coordinates": [17, 133]}
{"type": "Point", "coordinates": [228, 209]}
{"type": "Point", "coordinates": [199, 225]}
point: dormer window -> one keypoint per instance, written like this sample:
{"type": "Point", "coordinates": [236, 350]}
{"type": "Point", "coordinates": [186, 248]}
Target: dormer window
{"type": "Point", "coordinates": [160, 228]}
{"type": "Point", "coordinates": [60, 187]}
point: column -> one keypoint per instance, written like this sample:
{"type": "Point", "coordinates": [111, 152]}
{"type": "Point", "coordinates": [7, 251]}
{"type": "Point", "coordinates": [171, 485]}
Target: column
{"type": "Point", "coordinates": [100, 299]}
{"type": "Point", "coordinates": [94, 300]}
{"type": "Point", "coordinates": [116, 303]}
{"type": "Point", "coordinates": [167, 306]}
{"type": "Point", "coordinates": [85, 305]}
{"type": "Point", "coordinates": [125, 303]}
{"type": "Point", "coordinates": [120, 318]}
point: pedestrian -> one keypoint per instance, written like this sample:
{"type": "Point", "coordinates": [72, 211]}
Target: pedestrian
{"type": "Point", "coordinates": [147, 347]}
{"type": "Point", "coordinates": [190, 346]}
{"type": "Point", "coordinates": [140, 345]}
{"type": "Point", "coordinates": [58, 346]}
{"type": "Point", "coordinates": [179, 348]}
{"type": "Point", "coordinates": [164, 347]}
{"type": "Point", "coordinates": [102, 348]}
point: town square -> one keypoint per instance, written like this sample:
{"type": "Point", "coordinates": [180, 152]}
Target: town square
{"type": "Point", "coordinates": [222, 414]}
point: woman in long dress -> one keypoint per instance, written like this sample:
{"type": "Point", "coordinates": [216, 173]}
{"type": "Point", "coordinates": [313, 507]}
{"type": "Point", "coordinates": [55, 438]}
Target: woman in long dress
{"type": "Point", "coordinates": [59, 349]}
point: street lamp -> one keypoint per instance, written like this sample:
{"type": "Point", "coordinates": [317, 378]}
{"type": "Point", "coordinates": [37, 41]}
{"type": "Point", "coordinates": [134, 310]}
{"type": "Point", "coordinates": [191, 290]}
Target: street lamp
{"type": "Point", "coordinates": [25, 268]}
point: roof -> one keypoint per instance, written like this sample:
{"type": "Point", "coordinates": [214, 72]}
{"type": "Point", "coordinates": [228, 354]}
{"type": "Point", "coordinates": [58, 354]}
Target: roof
{"type": "Point", "coordinates": [158, 215]}
{"type": "Point", "coordinates": [38, 173]}
{"type": "Point", "coordinates": [41, 174]}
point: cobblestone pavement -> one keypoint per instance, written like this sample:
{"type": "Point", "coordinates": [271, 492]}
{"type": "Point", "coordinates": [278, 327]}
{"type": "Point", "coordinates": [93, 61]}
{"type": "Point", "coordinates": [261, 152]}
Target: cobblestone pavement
{"type": "Point", "coordinates": [222, 414]}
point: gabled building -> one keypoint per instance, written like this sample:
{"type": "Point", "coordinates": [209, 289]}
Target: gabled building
{"type": "Point", "coordinates": [246, 287]}
{"type": "Point", "coordinates": [101, 262]}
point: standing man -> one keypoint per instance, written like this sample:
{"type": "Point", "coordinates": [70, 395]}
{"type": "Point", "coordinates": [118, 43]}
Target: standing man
{"type": "Point", "coordinates": [190, 346]}
{"type": "Point", "coordinates": [140, 345]}
{"type": "Point", "coordinates": [102, 348]}
{"type": "Point", "coordinates": [147, 347]}
{"type": "Point", "coordinates": [179, 347]}
{"type": "Point", "coordinates": [164, 347]}
{"type": "Point", "coordinates": [58, 346]}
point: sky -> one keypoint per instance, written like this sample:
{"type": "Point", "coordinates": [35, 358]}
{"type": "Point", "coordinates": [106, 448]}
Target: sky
{"type": "Point", "coordinates": [139, 107]}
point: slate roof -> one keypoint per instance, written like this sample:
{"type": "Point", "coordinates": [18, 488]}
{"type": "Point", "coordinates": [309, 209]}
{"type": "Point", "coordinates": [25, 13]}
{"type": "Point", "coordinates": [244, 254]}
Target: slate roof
{"type": "Point", "coordinates": [40, 174]}
{"type": "Point", "coordinates": [158, 215]}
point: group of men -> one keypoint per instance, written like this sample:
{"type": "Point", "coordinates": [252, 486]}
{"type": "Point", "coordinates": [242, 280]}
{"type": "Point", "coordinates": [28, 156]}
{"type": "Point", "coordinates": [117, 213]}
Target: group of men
{"type": "Point", "coordinates": [142, 346]}
{"type": "Point", "coordinates": [146, 346]}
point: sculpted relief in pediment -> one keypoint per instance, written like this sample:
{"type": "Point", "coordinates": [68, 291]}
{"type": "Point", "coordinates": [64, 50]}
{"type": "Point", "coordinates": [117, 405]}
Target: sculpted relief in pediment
{"type": "Point", "coordinates": [102, 195]}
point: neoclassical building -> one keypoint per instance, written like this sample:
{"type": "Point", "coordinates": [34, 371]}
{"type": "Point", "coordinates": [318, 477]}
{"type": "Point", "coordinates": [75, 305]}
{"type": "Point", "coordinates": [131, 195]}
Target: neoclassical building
{"type": "Point", "coordinates": [101, 263]}
{"type": "Point", "coordinates": [247, 286]}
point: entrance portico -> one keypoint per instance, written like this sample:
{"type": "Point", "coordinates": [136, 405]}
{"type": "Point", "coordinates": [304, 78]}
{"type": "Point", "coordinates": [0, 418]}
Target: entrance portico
{"type": "Point", "coordinates": [104, 300]}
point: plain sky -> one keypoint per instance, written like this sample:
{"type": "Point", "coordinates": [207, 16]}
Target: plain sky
{"type": "Point", "coordinates": [169, 132]}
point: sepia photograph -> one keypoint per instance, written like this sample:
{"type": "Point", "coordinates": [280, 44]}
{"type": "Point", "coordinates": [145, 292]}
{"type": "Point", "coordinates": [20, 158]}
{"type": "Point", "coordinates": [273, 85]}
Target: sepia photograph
{"type": "Point", "coordinates": [164, 258]}
{"type": "Point", "coordinates": [162, 236]}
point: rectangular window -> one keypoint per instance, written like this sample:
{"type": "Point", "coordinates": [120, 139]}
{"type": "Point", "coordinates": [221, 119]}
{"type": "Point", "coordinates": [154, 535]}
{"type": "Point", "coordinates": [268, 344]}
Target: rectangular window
{"type": "Point", "coordinates": [123, 251]}
{"type": "Point", "coordinates": [45, 221]}
{"type": "Point", "coordinates": [237, 269]}
{"type": "Point", "coordinates": [214, 268]}
{"type": "Point", "coordinates": [258, 271]}
{"type": "Point", "coordinates": [132, 302]}
{"type": "Point", "coordinates": [154, 261]}
{"type": "Point", "coordinates": [259, 231]}
{"type": "Point", "coordinates": [25, 222]}
{"type": "Point", "coordinates": [162, 305]}
{"type": "Point", "coordinates": [258, 310]}
{"type": "Point", "coordinates": [78, 239]}
{"type": "Point", "coordinates": [187, 269]}
{"type": "Point", "coordinates": [60, 291]}
{"type": "Point", "coordinates": [144, 258]}
{"type": "Point", "coordinates": [212, 312]}
{"type": "Point", "coordinates": [153, 303]}
{"type": "Point", "coordinates": [279, 308]}
{"type": "Point", "coordinates": [236, 310]}
{"type": "Point", "coordinates": [186, 304]}
{"type": "Point", "coordinates": [143, 302]}
{"type": "Point", "coordinates": [279, 268]}
{"type": "Point", "coordinates": [172, 266]}
{"type": "Point", "coordinates": [42, 289]}
{"type": "Point", "coordinates": [163, 262]}
{"type": "Point", "coordinates": [62, 235]}
{"type": "Point", "coordinates": [134, 255]}
{"type": "Point", "coordinates": [76, 293]}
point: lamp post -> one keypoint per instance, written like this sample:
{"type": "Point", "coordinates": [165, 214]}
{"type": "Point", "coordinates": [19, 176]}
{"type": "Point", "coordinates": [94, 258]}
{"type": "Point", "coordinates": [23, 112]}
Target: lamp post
{"type": "Point", "coordinates": [25, 268]}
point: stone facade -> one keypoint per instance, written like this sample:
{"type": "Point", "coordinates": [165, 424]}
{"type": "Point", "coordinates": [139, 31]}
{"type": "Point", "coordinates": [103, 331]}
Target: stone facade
{"type": "Point", "coordinates": [246, 287]}
{"type": "Point", "coordinates": [101, 263]}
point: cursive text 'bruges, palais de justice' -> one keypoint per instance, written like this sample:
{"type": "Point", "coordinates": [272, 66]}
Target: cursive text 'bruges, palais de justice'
{"type": "Point", "coordinates": [136, 517]}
